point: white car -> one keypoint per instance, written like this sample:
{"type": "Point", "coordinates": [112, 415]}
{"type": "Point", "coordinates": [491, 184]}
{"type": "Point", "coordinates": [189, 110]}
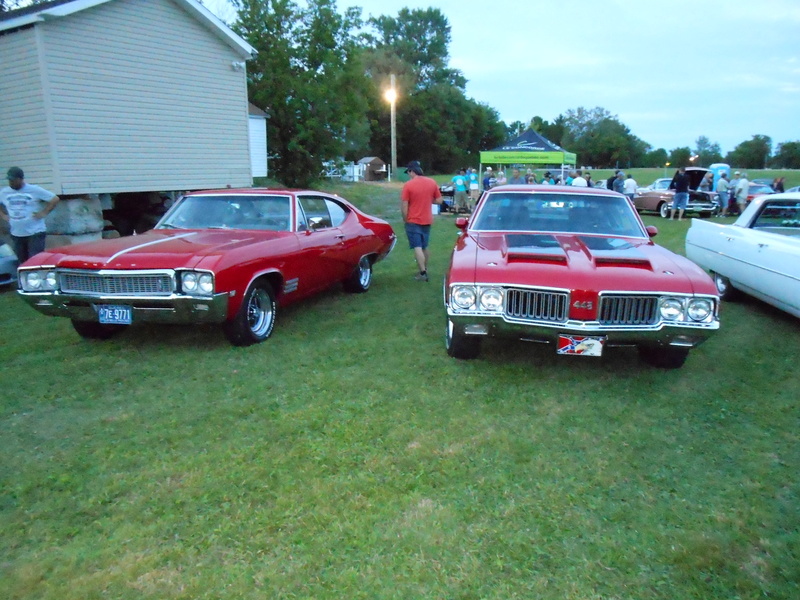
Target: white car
{"type": "Point", "coordinates": [759, 254]}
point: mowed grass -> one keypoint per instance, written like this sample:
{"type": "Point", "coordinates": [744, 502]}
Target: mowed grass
{"type": "Point", "coordinates": [349, 457]}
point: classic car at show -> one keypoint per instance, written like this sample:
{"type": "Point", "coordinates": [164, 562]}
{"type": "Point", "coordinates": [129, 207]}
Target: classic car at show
{"type": "Point", "coordinates": [8, 265]}
{"type": "Point", "coordinates": [575, 268]}
{"type": "Point", "coordinates": [759, 254]}
{"type": "Point", "coordinates": [658, 198]}
{"type": "Point", "coordinates": [231, 257]}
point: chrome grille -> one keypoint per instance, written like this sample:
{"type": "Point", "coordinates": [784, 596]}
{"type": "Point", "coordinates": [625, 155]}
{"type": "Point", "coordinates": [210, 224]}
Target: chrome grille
{"type": "Point", "coordinates": [628, 310]}
{"type": "Point", "coordinates": [94, 284]}
{"type": "Point", "coordinates": [536, 305]}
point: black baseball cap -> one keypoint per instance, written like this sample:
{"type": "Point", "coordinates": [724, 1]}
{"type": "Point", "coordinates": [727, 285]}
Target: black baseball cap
{"type": "Point", "coordinates": [415, 167]}
{"type": "Point", "coordinates": [15, 173]}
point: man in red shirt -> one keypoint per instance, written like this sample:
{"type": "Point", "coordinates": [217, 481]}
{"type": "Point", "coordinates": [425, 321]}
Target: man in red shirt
{"type": "Point", "coordinates": [419, 194]}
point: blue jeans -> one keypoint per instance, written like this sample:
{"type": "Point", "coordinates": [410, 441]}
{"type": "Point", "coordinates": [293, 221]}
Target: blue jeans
{"type": "Point", "coordinates": [681, 201]}
{"type": "Point", "coordinates": [29, 245]}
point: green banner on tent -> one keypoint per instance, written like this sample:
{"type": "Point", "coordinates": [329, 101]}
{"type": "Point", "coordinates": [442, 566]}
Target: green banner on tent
{"type": "Point", "coordinates": [512, 157]}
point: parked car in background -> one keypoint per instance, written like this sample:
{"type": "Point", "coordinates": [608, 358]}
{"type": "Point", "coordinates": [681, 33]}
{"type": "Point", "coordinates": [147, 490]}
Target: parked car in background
{"type": "Point", "coordinates": [793, 189]}
{"type": "Point", "coordinates": [759, 254]}
{"type": "Point", "coordinates": [662, 183]}
{"type": "Point", "coordinates": [8, 265]}
{"type": "Point", "coordinates": [575, 268]}
{"type": "Point", "coordinates": [231, 257]}
{"type": "Point", "coordinates": [659, 198]}
{"type": "Point", "coordinates": [758, 189]}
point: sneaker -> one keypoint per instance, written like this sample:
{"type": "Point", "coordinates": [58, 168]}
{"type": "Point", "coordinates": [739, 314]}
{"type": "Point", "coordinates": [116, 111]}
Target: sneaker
{"type": "Point", "coordinates": [421, 277]}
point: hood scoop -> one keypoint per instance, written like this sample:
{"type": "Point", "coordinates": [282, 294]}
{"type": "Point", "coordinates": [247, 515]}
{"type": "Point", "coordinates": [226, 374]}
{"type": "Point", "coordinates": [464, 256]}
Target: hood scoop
{"type": "Point", "coordinates": [613, 252]}
{"type": "Point", "coordinates": [534, 248]}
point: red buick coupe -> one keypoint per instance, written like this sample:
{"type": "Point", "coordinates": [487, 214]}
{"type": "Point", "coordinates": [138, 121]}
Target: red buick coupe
{"type": "Point", "coordinates": [229, 256]}
{"type": "Point", "coordinates": [575, 268]}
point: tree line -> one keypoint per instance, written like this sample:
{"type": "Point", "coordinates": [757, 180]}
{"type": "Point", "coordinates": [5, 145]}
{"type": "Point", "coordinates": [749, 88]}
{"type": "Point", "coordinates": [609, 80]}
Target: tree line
{"type": "Point", "coordinates": [321, 75]}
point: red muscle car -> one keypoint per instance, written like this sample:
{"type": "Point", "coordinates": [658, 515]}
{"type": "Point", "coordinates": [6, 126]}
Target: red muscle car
{"type": "Point", "coordinates": [228, 256]}
{"type": "Point", "coordinates": [576, 268]}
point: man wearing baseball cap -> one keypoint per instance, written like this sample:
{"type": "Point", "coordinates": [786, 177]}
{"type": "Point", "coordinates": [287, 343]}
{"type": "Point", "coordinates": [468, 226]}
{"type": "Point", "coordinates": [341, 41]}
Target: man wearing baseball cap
{"type": "Point", "coordinates": [24, 208]}
{"type": "Point", "coordinates": [419, 194]}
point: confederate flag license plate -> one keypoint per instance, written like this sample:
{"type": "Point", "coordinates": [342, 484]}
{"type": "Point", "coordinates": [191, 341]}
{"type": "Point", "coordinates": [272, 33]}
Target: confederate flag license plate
{"type": "Point", "coordinates": [581, 344]}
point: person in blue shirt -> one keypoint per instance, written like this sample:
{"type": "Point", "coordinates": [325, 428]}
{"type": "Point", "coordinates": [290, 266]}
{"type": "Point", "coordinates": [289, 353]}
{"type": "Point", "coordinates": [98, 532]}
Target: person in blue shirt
{"type": "Point", "coordinates": [460, 191]}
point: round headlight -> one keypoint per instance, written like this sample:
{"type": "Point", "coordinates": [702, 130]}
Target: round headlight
{"type": "Point", "coordinates": [464, 297]}
{"type": "Point", "coordinates": [50, 280]}
{"type": "Point", "coordinates": [492, 299]}
{"type": "Point", "coordinates": [206, 283]}
{"type": "Point", "coordinates": [189, 282]}
{"type": "Point", "coordinates": [33, 279]}
{"type": "Point", "coordinates": [699, 309]}
{"type": "Point", "coordinates": [671, 309]}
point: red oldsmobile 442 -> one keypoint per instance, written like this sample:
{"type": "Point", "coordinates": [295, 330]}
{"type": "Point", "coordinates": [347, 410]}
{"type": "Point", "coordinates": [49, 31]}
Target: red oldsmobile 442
{"type": "Point", "coordinates": [576, 268]}
{"type": "Point", "coordinates": [228, 256]}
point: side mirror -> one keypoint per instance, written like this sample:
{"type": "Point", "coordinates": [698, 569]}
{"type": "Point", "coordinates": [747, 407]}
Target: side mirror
{"type": "Point", "coordinates": [652, 230]}
{"type": "Point", "coordinates": [462, 222]}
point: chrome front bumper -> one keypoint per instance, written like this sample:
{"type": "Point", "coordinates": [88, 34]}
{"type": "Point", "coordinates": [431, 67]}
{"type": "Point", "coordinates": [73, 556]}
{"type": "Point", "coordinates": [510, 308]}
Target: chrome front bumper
{"type": "Point", "coordinates": [175, 308]}
{"type": "Point", "coordinates": [686, 335]}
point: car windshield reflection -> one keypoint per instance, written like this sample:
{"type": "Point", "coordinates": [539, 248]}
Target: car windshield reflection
{"type": "Point", "coordinates": [266, 213]}
{"type": "Point", "coordinates": [558, 213]}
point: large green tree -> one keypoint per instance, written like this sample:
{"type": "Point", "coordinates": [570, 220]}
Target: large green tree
{"type": "Point", "coordinates": [751, 154]}
{"type": "Point", "coordinates": [600, 139]}
{"type": "Point", "coordinates": [707, 152]}
{"type": "Point", "coordinates": [305, 74]}
{"type": "Point", "coordinates": [436, 123]}
{"type": "Point", "coordinates": [787, 156]}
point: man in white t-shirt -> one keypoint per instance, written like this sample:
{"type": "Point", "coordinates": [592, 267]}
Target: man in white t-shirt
{"type": "Point", "coordinates": [24, 207]}
{"type": "Point", "coordinates": [629, 187]}
{"type": "Point", "coordinates": [579, 181]}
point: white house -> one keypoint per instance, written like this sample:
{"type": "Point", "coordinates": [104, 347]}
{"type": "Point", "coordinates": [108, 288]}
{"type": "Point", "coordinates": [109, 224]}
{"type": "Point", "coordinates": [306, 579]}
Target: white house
{"type": "Point", "coordinates": [105, 96]}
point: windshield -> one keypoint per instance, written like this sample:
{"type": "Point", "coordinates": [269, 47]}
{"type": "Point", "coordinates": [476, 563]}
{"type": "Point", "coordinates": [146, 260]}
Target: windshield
{"type": "Point", "coordinates": [554, 212]}
{"type": "Point", "coordinates": [223, 211]}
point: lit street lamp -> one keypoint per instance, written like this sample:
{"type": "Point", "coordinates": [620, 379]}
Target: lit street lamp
{"type": "Point", "coordinates": [391, 96]}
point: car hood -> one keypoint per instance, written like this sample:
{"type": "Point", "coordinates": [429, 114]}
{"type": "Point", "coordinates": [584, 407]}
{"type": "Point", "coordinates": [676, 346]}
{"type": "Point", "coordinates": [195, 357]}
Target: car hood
{"type": "Point", "coordinates": [696, 175]}
{"type": "Point", "coordinates": [574, 261]}
{"type": "Point", "coordinates": [156, 249]}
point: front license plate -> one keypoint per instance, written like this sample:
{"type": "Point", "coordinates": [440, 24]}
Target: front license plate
{"type": "Point", "coordinates": [115, 315]}
{"type": "Point", "coordinates": [580, 344]}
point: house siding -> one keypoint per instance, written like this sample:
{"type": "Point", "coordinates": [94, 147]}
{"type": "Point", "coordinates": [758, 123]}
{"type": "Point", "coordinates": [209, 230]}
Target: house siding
{"type": "Point", "coordinates": [143, 97]}
{"type": "Point", "coordinates": [24, 141]}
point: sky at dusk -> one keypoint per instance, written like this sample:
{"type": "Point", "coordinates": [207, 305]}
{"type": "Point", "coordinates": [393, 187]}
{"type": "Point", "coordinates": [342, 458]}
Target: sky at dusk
{"type": "Point", "coordinates": [671, 71]}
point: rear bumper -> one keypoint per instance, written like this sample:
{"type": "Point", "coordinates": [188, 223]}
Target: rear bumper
{"type": "Point", "coordinates": [685, 335]}
{"type": "Point", "coordinates": [168, 309]}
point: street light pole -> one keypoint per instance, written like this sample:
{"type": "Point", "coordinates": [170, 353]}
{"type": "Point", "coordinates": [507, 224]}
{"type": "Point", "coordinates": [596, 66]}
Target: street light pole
{"type": "Point", "coordinates": [391, 96]}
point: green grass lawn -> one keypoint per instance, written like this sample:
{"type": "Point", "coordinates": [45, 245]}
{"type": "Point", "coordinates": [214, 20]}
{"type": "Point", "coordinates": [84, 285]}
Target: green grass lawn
{"type": "Point", "coordinates": [349, 457]}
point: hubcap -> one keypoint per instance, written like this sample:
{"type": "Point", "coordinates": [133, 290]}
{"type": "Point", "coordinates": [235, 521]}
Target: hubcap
{"type": "Point", "coordinates": [259, 312]}
{"type": "Point", "coordinates": [365, 273]}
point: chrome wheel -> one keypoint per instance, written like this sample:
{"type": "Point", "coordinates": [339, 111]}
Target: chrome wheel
{"type": "Point", "coordinates": [260, 312]}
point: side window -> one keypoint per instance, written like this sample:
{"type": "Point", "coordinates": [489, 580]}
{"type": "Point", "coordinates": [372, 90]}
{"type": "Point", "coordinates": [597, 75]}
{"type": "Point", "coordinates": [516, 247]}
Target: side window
{"type": "Point", "coordinates": [316, 212]}
{"type": "Point", "coordinates": [337, 211]}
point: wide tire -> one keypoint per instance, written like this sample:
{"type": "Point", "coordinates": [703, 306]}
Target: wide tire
{"type": "Point", "coordinates": [92, 330]}
{"type": "Point", "coordinates": [255, 319]}
{"type": "Point", "coordinates": [664, 210]}
{"type": "Point", "coordinates": [724, 288]}
{"type": "Point", "coordinates": [361, 277]}
{"type": "Point", "coordinates": [461, 346]}
{"type": "Point", "coordinates": [664, 358]}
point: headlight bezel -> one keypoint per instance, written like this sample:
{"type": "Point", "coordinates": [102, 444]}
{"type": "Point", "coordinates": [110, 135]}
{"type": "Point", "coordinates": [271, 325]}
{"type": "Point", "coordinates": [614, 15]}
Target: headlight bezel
{"type": "Point", "coordinates": [686, 309]}
{"type": "Point", "coordinates": [38, 280]}
{"type": "Point", "coordinates": [194, 282]}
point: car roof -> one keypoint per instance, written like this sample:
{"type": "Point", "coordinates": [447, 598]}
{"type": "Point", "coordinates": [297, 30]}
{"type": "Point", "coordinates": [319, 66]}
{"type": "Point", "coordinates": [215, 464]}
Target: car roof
{"type": "Point", "coordinates": [574, 189]}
